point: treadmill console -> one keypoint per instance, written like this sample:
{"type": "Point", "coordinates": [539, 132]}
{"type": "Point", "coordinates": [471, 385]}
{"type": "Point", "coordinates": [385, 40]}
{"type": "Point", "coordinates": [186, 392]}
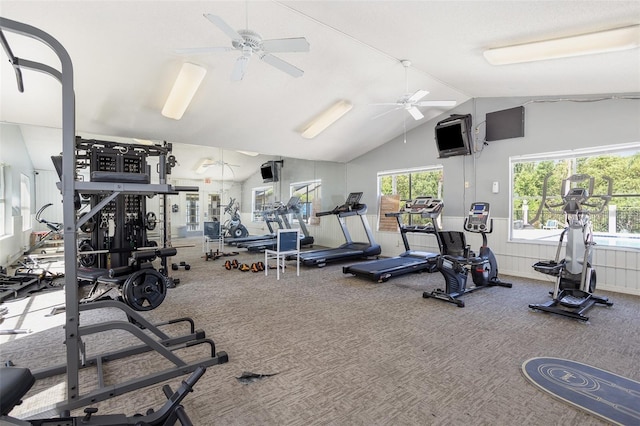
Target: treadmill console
{"type": "Point", "coordinates": [353, 199]}
{"type": "Point", "coordinates": [478, 219]}
{"type": "Point", "coordinates": [425, 206]}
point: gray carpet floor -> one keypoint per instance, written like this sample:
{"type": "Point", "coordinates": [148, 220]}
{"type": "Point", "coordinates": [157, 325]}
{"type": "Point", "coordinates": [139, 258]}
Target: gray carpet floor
{"type": "Point", "coordinates": [346, 351]}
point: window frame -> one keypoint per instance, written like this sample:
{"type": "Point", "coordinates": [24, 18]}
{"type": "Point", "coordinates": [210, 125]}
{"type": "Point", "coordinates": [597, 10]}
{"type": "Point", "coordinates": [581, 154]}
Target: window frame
{"type": "Point", "coordinates": [307, 210]}
{"type": "Point", "coordinates": [25, 201]}
{"type": "Point", "coordinates": [548, 235]}
{"type": "Point", "coordinates": [256, 215]}
{"type": "Point", "coordinates": [407, 219]}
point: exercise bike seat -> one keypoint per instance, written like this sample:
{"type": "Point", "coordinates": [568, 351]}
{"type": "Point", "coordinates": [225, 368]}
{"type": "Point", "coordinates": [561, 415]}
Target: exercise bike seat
{"type": "Point", "coordinates": [15, 382]}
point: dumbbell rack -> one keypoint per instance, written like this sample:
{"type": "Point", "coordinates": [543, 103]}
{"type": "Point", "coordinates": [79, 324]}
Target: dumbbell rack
{"type": "Point", "coordinates": [152, 339]}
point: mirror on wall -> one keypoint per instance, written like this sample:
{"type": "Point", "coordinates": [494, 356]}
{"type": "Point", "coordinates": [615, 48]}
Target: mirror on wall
{"type": "Point", "coordinates": [220, 174]}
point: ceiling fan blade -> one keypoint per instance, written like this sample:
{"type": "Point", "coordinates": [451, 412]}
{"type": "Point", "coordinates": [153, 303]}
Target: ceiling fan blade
{"type": "Point", "coordinates": [386, 112]}
{"type": "Point", "coordinates": [298, 44]}
{"type": "Point", "coordinates": [224, 27]}
{"type": "Point", "coordinates": [436, 103]}
{"type": "Point", "coordinates": [417, 96]}
{"type": "Point", "coordinates": [240, 69]}
{"type": "Point", "coordinates": [415, 113]}
{"type": "Point", "coordinates": [282, 65]}
{"type": "Point", "coordinates": [201, 50]}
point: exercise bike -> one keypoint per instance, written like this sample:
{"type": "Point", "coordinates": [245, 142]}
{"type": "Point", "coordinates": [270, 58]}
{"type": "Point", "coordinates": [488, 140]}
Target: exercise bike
{"type": "Point", "coordinates": [233, 227]}
{"type": "Point", "coordinates": [15, 382]}
{"type": "Point", "coordinates": [457, 260]}
{"type": "Point", "coordinates": [573, 295]}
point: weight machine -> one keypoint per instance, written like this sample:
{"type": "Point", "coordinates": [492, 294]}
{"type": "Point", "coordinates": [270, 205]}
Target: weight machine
{"type": "Point", "coordinates": [575, 275]}
{"type": "Point", "coordinates": [106, 186]}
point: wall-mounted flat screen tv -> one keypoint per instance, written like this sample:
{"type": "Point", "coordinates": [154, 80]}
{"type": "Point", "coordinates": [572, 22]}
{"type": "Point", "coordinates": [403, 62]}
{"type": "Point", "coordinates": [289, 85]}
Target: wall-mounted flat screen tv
{"type": "Point", "coordinates": [269, 172]}
{"type": "Point", "coordinates": [453, 136]}
{"type": "Point", "coordinates": [505, 124]}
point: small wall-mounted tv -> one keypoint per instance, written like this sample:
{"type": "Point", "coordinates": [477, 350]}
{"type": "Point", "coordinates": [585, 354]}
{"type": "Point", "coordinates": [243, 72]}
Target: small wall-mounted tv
{"type": "Point", "coordinates": [269, 171]}
{"type": "Point", "coordinates": [505, 124]}
{"type": "Point", "coordinates": [453, 136]}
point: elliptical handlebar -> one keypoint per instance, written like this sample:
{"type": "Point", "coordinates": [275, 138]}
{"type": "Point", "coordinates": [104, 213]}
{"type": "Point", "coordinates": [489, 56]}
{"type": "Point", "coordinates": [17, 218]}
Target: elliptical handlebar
{"type": "Point", "coordinates": [576, 199]}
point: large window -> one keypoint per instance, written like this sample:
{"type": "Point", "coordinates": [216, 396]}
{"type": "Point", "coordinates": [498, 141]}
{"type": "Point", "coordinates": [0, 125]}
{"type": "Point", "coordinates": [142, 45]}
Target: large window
{"type": "Point", "coordinates": [310, 201]}
{"type": "Point", "coordinates": [400, 186]}
{"type": "Point", "coordinates": [262, 198]}
{"type": "Point", "coordinates": [618, 224]}
{"type": "Point", "coordinates": [25, 202]}
{"type": "Point", "coordinates": [193, 212]}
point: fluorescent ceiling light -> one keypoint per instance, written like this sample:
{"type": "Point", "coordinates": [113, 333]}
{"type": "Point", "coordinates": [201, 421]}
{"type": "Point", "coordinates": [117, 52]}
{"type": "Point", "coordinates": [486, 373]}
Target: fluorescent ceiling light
{"type": "Point", "coordinates": [249, 153]}
{"type": "Point", "coordinates": [585, 44]}
{"type": "Point", "coordinates": [204, 165]}
{"type": "Point", "coordinates": [326, 119]}
{"type": "Point", "coordinates": [183, 90]}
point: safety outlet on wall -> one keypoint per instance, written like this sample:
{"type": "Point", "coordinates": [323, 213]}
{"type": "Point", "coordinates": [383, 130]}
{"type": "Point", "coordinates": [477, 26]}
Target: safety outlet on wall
{"type": "Point", "coordinates": [496, 187]}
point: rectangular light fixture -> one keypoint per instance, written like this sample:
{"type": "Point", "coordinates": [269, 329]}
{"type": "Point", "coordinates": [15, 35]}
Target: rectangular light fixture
{"type": "Point", "coordinates": [183, 90]}
{"type": "Point", "coordinates": [326, 119]}
{"type": "Point", "coordinates": [204, 165]}
{"type": "Point", "coordinates": [584, 44]}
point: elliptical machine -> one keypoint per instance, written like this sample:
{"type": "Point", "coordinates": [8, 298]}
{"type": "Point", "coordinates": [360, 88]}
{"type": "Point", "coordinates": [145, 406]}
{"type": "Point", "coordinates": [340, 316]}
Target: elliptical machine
{"type": "Point", "coordinates": [573, 295]}
{"type": "Point", "coordinates": [457, 259]}
{"type": "Point", "coordinates": [233, 227]}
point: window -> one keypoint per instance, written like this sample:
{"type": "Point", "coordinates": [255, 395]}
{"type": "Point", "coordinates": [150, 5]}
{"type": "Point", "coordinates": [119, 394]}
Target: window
{"type": "Point", "coordinates": [262, 198]}
{"type": "Point", "coordinates": [398, 187]}
{"type": "Point", "coordinates": [193, 212]}
{"type": "Point", "coordinates": [3, 204]}
{"type": "Point", "coordinates": [310, 200]}
{"type": "Point", "coordinates": [618, 224]}
{"type": "Point", "coordinates": [214, 207]}
{"type": "Point", "coordinates": [25, 202]}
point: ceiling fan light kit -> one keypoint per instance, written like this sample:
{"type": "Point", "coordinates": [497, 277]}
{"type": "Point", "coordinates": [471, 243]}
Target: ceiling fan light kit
{"type": "Point", "coordinates": [585, 44]}
{"type": "Point", "coordinates": [326, 119]}
{"type": "Point", "coordinates": [184, 88]}
{"type": "Point", "coordinates": [248, 43]}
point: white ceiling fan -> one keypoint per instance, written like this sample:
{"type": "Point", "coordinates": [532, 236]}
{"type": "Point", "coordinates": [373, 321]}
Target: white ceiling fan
{"type": "Point", "coordinates": [206, 163]}
{"type": "Point", "coordinates": [249, 42]}
{"type": "Point", "coordinates": [411, 101]}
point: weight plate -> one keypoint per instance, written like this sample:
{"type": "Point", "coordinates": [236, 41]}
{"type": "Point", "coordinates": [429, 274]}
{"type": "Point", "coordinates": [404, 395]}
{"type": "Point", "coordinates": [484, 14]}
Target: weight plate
{"type": "Point", "coordinates": [86, 260]}
{"type": "Point", "coordinates": [150, 221]}
{"type": "Point", "coordinates": [144, 290]}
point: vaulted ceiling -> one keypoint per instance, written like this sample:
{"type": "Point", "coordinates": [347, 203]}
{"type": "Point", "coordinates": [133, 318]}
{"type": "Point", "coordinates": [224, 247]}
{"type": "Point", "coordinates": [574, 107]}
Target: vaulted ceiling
{"type": "Point", "coordinates": [125, 62]}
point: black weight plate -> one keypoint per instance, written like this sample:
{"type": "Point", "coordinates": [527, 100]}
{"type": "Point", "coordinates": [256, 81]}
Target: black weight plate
{"type": "Point", "coordinates": [144, 290]}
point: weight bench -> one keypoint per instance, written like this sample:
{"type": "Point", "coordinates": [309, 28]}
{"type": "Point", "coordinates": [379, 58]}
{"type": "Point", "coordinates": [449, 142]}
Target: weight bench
{"type": "Point", "coordinates": [15, 382]}
{"type": "Point", "coordinates": [139, 284]}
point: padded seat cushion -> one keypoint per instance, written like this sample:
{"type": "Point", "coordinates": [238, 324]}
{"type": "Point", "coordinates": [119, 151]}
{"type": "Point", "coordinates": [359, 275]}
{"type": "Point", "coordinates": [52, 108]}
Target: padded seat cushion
{"type": "Point", "coordinates": [90, 274]}
{"type": "Point", "coordinates": [15, 382]}
{"type": "Point", "coordinates": [119, 177]}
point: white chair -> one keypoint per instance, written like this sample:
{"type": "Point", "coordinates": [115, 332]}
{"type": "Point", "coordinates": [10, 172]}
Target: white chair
{"type": "Point", "coordinates": [288, 244]}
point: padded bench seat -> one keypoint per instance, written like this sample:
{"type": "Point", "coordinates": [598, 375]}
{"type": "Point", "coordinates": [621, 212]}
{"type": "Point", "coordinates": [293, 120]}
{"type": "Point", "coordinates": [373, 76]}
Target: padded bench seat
{"type": "Point", "coordinates": [117, 177]}
{"type": "Point", "coordinates": [15, 382]}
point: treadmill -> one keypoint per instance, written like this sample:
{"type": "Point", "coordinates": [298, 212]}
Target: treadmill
{"type": "Point", "coordinates": [269, 216]}
{"type": "Point", "coordinates": [410, 261]}
{"type": "Point", "coordinates": [350, 249]}
{"type": "Point", "coordinates": [282, 212]}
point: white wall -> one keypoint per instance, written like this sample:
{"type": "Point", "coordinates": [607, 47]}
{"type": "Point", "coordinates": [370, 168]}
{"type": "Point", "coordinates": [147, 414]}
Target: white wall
{"type": "Point", "coordinates": [16, 160]}
{"type": "Point", "coordinates": [549, 126]}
